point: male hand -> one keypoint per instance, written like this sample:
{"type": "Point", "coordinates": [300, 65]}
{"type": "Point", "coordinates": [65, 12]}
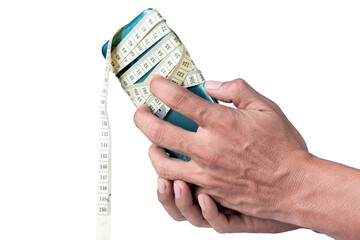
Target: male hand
{"type": "Point", "coordinates": [249, 158]}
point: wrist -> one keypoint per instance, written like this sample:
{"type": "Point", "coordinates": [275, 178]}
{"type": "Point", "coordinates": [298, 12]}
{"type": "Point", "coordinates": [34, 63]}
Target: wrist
{"type": "Point", "coordinates": [294, 186]}
{"type": "Point", "coordinates": [324, 197]}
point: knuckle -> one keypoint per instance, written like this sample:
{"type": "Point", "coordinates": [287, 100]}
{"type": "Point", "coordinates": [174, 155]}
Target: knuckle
{"type": "Point", "coordinates": [219, 117]}
{"type": "Point", "coordinates": [220, 230]}
{"type": "Point", "coordinates": [177, 97]}
{"type": "Point", "coordinates": [152, 154]}
{"type": "Point", "coordinates": [207, 181]}
{"type": "Point", "coordinates": [210, 159]}
{"type": "Point", "coordinates": [240, 87]}
{"type": "Point", "coordinates": [163, 171]}
{"type": "Point", "coordinates": [206, 115]}
{"type": "Point", "coordinates": [186, 145]}
{"type": "Point", "coordinates": [224, 119]}
{"type": "Point", "coordinates": [137, 117]}
{"type": "Point", "coordinates": [156, 133]}
{"type": "Point", "coordinates": [274, 105]}
{"type": "Point", "coordinates": [160, 169]}
{"type": "Point", "coordinates": [240, 83]}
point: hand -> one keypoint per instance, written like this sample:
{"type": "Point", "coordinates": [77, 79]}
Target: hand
{"type": "Point", "coordinates": [249, 158]}
{"type": "Point", "coordinates": [178, 201]}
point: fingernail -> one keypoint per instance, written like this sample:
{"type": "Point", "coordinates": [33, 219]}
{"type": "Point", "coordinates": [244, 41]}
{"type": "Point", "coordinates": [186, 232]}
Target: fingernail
{"type": "Point", "coordinates": [201, 202]}
{"type": "Point", "coordinates": [177, 191]}
{"type": "Point", "coordinates": [152, 76]}
{"type": "Point", "coordinates": [161, 186]}
{"type": "Point", "coordinates": [212, 85]}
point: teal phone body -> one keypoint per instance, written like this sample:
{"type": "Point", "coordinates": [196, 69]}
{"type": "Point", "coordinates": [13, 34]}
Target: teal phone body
{"type": "Point", "coordinates": [172, 116]}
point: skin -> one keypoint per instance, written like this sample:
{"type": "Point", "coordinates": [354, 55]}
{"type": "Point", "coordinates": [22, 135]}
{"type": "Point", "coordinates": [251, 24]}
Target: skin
{"type": "Point", "coordinates": [250, 170]}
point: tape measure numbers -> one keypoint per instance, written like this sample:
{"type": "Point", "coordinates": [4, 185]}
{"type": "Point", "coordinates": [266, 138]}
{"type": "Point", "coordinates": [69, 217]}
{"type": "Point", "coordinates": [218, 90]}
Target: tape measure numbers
{"type": "Point", "coordinates": [156, 50]}
{"type": "Point", "coordinates": [167, 57]}
{"type": "Point", "coordinates": [104, 162]}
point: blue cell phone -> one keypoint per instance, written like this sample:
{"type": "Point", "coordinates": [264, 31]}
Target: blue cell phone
{"type": "Point", "coordinates": [172, 116]}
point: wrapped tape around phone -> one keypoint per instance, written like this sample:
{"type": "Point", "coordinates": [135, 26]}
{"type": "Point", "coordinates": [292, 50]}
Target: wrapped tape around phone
{"type": "Point", "coordinates": [151, 47]}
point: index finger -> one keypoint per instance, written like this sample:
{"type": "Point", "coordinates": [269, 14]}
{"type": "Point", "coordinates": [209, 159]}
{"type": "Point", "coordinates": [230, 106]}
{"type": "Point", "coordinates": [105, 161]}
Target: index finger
{"type": "Point", "coordinates": [181, 100]}
{"type": "Point", "coordinates": [164, 133]}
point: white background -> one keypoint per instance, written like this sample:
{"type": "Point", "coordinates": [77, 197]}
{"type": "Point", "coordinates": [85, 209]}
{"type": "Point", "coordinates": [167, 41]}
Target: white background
{"type": "Point", "coordinates": [304, 55]}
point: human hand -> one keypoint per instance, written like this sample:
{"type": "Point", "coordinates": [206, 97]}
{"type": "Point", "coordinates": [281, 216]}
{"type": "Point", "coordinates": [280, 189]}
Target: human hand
{"type": "Point", "coordinates": [177, 199]}
{"type": "Point", "coordinates": [249, 158]}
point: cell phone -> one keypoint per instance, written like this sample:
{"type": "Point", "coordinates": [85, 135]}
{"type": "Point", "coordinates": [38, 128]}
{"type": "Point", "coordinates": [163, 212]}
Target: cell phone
{"type": "Point", "coordinates": [171, 116]}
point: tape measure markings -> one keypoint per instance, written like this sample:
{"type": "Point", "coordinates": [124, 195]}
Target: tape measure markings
{"type": "Point", "coordinates": [194, 78]}
{"type": "Point", "coordinates": [170, 68]}
{"type": "Point", "coordinates": [167, 57]}
{"type": "Point", "coordinates": [149, 60]}
{"type": "Point", "coordinates": [136, 35]}
{"type": "Point", "coordinates": [163, 68]}
{"type": "Point", "coordinates": [160, 31]}
{"type": "Point", "coordinates": [142, 47]}
{"type": "Point", "coordinates": [131, 40]}
{"type": "Point", "coordinates": [104, 161]}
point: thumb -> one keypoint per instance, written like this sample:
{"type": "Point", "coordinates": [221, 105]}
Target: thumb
{"type": "Point", "coordinates": [239, 92]}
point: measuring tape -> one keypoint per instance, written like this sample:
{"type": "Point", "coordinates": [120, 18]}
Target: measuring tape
{"type": "Point", "coordinates": [150, 47]}
{"type": "Point", "coordinates": [104, 161]}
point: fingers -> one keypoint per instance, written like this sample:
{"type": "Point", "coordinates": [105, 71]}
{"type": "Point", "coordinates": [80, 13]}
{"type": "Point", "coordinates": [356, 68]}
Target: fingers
{"type": "Point", "coordinates": [163, 133]}
{"type": "Point", "coordinates": [237, 222]}
{"type": "Point", "coordinates": [238, 92]}
{"type": "Point", "coordinates": [216, 219]}
{"type": "Point", "coordinates": [171, 168]}
{"type": "Point", "coordinates": [166, 197]}
{"type": "Point", "coordinates": [181, 100]}
{"type": "Point", "coordinates": [186, 205]}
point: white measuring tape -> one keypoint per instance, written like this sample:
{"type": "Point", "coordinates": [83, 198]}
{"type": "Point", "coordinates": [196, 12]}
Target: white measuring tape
{"type": "Point", "coordinates": [104, 162]}
{"type": "Point", "coordinates": [167, 56]}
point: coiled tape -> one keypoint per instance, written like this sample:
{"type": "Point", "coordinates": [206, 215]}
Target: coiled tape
{"type": "Point", "coordinates": [150, 47]}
